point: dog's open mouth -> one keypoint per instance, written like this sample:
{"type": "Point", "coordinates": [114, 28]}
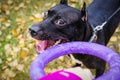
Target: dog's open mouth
{"type": "Point", "coordinates": [45, 44]}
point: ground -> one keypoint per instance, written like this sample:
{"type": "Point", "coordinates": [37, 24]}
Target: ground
{"type": "Point", "coordinates": [17, 48]}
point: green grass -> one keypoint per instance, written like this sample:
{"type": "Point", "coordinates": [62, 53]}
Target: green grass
{"type": "Point", "coordinates": [16, 44]}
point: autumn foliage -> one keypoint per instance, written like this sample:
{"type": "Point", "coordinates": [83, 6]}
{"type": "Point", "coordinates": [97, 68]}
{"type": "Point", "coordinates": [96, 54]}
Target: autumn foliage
{"type": "Point", "coordinates": [17, 48]}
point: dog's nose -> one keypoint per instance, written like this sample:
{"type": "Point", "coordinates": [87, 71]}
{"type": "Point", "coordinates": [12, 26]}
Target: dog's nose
{"type": "Point", "coordinates": [34, 30]}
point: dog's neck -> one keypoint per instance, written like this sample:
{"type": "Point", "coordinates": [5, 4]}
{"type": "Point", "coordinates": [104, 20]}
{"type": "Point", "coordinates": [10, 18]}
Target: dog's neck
{"type": "Point", "coordinates": [86, 34]}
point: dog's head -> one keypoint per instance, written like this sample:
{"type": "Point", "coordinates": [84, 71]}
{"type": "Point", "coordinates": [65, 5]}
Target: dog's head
{"type": "Point", "coordinates": [61, 23]}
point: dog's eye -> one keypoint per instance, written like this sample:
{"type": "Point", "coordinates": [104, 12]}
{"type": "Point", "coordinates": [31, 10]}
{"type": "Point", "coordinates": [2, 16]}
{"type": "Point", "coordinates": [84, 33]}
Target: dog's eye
{"type": "Point", "coordinates": [60, 22]}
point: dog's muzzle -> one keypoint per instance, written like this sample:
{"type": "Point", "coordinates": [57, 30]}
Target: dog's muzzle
{"type": "Point", "coordinates": [34, 29]}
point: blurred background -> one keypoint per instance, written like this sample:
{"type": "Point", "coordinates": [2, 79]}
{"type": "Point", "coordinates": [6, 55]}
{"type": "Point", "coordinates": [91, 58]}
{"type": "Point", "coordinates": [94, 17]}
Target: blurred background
{"type": "Point", "coordinates": [17, 48]}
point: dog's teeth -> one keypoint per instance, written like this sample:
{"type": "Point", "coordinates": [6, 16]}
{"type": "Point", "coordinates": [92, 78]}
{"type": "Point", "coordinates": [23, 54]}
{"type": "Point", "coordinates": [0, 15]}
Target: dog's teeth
{"type": "Point", "coordinates": [57, 42]}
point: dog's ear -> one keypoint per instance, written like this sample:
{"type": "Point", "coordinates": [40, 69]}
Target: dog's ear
{"type": "Point", "coordinates": [64, 2]}
{"type": "Point", "coordinates": [84, 12]}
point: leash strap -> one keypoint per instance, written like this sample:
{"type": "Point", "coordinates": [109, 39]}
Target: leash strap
{"type": "Point", "coordinates": [95, 30]}
{"type": "Point", "coordinates": [75, 60]}
{"type": "Point", "coordinates": [100, 27]}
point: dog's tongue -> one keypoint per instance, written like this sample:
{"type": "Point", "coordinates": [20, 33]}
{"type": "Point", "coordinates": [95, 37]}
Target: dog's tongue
{"type": "Point", "coordinates": [42, 45]}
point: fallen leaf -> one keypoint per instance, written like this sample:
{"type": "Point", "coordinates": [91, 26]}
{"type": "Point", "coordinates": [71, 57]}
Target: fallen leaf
{"type": "Point", "coordinates": [0, 33]}
{"type": "Point", "coordinates": [7, 24]}
{"type": "Point", "coordinates": [16, 8]}
{"type": "Point", "coordinates": [9, 37]}
{"type": "Point", "coordinates": [13, 63]}
{"type": "Point", "coordinates": [16, 49]}
{"type": "Point", "coordinates": [114, 38]}
{"type": "Point", "coordinates": [14, 33]}
{"type": "Point", "coordinates": [0, 61]}
{"type": "Point", "coordinates": [7, 49]}
{"type": "Point", "coordinates": [24, 55]}
{"type": "Point", "coordinates": [20, 21]}
{"type": "Point", "coordinates": [31, 18]}
{"type": "Point", "coordinates": [10, 2]}
{"type": "Point", "coordinates": [9, 59]}
{"type": "Point", "coordinates": [20, 67]}
{"type": "Point", "coordinates": [3, 20]}
{"type": "Point", "coordinates": [61, 58]}
{"type": "Point", "coordinates": [8, 73]}
{"type": "Point", "coordinates": [5, 7]}
{"type": "Point", "coordinates": [22, 5]}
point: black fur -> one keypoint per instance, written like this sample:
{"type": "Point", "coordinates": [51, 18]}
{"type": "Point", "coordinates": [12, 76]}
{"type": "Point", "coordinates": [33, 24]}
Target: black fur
{"type": "Point", "coordinates": [69, 24]}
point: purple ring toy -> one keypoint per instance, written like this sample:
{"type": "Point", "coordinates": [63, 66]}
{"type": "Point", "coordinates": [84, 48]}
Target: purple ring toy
{"type": "Point", "coordinates": [113, 59]}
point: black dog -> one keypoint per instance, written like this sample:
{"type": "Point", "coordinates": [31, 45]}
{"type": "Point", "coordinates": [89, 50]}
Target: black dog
{"type": "Point", "coordinates": [63, 23]}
